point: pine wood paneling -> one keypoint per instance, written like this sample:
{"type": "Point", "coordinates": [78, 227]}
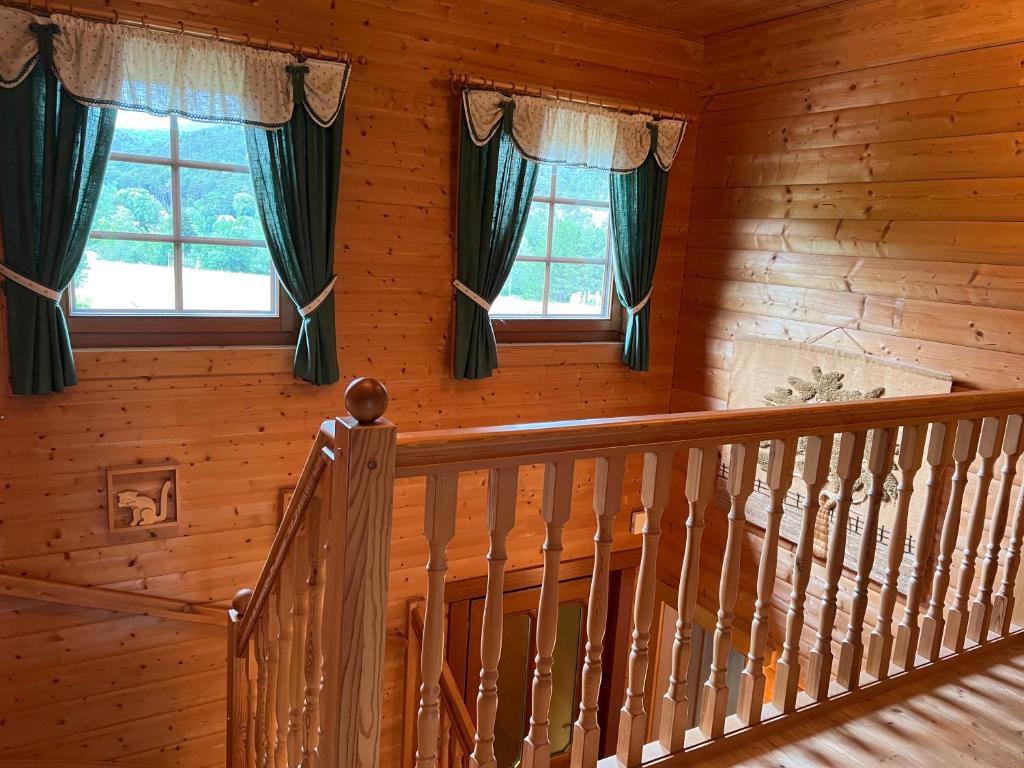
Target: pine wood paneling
{"type": "Point", "coordinates": [707, 17]}
{"type": "Point", "coordinates": [94, 685]}
{"type": "Point", "coordinates": [859, 166]}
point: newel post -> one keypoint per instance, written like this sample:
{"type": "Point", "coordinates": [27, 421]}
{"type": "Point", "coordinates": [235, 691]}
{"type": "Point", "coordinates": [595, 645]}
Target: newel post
{"type": "Point", "coordinates": [358, 545]}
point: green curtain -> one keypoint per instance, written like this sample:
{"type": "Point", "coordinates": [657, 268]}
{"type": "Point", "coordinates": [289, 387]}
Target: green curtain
{"type": "Point", "coordinates": [496, 184]}
{"type": "Point", "coordinates": [295, 172]}
{"type": "Point", "coordinates": [53, 153]}
{"type": "Point", "coordinates": [637, 211]}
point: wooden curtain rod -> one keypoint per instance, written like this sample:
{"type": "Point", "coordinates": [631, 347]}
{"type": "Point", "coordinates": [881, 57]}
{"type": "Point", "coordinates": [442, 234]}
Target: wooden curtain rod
{"type": "Point", "coordinates": [555, 94]}
{"type": "Point", "coordinates": [182, 27]}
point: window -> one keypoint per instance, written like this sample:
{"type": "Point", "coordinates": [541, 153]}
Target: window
{"type": "Point", "coordinates": [177, 254]}
{"type": "Point", "coordinates": [560, 287]}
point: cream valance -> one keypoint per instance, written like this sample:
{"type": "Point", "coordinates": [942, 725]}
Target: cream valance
{"type": "Point", "coordinates": [161, 73]}
{"type": "Point", "coordinates": [567, 133]}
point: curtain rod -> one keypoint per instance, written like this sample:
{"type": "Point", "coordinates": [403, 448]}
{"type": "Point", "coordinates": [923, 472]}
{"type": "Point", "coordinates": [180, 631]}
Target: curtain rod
{"type": "Point", "coordinates": [558, 95]}
{"type": "Point", "coordinates": [181, 27]}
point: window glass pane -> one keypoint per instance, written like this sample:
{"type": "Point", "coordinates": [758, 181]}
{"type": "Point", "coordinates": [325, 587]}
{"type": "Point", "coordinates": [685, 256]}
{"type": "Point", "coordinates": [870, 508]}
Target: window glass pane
{"type": "Point", "coordinates": [124, 275]}
{"type": "Point", "coordinates": [581, 232]}
{"type": "Point", "coordinates": [535, 235]}
{"type": "Point", "coordinates": [543, 188]}
{"type": "Point", "coordinates": [218, 204]}
{"type": "Point", "coordinates": [565, 675]}
{"type": "Point", "coordinates": [523, 293]}
{"type": "Point", "coordinates": [136, 197]}
{"type": "Point", "coordinates": [227, 278]}
{"type": "Point", "coordinates": [211, 142]}
{"type": "Point", "coordinates": [514, 672]}
{"type": "Point", "coordinates": [577, 289]}
{"type": "Point", "coordinates": [137, 133]}
{"type": "Point", "coordinates": [582, 184]}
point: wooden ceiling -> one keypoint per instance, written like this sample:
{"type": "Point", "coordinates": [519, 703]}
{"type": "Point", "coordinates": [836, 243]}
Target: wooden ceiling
{"type": "Point", "coordinates": [698, 17]}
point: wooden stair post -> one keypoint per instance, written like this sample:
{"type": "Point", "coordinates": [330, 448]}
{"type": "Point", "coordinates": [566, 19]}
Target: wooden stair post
{"type": "Point", "coordinates": [358, 544]}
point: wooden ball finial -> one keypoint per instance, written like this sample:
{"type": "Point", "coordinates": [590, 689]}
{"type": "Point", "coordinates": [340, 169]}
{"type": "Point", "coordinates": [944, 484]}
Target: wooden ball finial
{"type": "Point", "coordinates": [240, 602]}
{"type": "Point", "coordinates": [366, 400]}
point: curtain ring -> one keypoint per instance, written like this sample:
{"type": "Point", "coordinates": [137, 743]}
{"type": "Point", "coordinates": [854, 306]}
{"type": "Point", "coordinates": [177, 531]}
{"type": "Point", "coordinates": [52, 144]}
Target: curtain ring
{"type": "Point", "coordinates": [144, 23]}
{"type": "Point", "coordinates": [319, 53]}
{"type": "Point", "coordinates": [117, 18]}
{"type": "Point", "coordinates": [181, 27]}
{"type": "Point", "coordinates": [216, 34]}
{"type": "Point", "coordinates": [248, 41]}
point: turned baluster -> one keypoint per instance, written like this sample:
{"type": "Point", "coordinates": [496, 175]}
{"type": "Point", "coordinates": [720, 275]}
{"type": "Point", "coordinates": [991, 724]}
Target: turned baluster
{"type": "Point", "coordinates": [300, 607]}
{"type": "Point", "coordinates": [501, 515]}
{"type": "Point", "coordinates": [252, 741]}
{"type": "Point", "coordinates": [701, 471]}
{"type": "Point", "coordinates": [555, 509]}
{"type": "Point", "coordinates": [273, 630]}
{"type": "Point", "coordinates": [848, 470]}
{"type": "Point", "coordinates": [955, 636]}
{"type": "Point", "coordinates": [439, 528]}
{"type": "Point", "coordinates": [851, 652]}
{"type": "Point", "coordinates": [238, 686]}
{"type": "Point", "coordinates": [586, 736]}
{"type": "Point", "coordinates": [262, 642]}
{"type": "Point", "coordinates": [940, 446]}
{"type": "Point", "coordinates": [742, 465]}
{"type": "Point", "coordinates": [911, 455]}
{"type": "Point", "coordinates": [981, 607]}
{"type": "Point", "coordinates": [1003, 602]}
{"type": "Point", "coordinates": [283, 658]}
{"type": "Point", "coordinates": [933, 623]}
{"type": "Point", "coordinates": [311, 650]}
{"type": "Point", "coordinates": [814, 474]}
{"type": "Point", "coordinates": [779, 478]}
{"type": "Point", "coordinates": [654, 494]}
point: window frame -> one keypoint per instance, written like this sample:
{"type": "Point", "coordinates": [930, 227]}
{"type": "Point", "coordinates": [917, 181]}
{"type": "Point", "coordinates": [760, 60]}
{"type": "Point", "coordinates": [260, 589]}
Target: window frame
{"type": "Point", "coordinates": [513, 329]}
{"type": "Point", "coordinates": [180, 327]}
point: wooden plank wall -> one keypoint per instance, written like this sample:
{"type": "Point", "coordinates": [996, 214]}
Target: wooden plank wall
{"type": "Point", "coordinates": [92, 685]}
{"type": "Point", "coordinates": [861, 166]}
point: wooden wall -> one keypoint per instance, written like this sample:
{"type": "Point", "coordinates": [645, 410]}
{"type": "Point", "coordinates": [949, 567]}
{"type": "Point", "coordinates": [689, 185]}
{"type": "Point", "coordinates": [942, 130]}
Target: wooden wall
{"type": "Point", "coordinates": [93, 685]}
{"type": "Point", "coordinates": [858, 166]}
{"type": "Point", "coordinates": [861, 166]}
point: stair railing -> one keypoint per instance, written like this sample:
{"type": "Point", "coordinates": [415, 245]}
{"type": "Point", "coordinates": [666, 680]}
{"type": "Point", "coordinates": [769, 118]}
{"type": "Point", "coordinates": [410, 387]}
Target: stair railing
{"type": "Point", "coordinates": [904, 435]}
{"type": "Point", "coordinates": [306, 644]}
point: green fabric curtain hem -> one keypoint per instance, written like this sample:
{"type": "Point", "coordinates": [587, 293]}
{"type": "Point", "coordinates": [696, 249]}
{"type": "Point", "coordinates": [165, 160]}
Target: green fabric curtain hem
{"type": "Point", "coordinates": [53, 154]}
{"type": "Point", "coordinates": [496, 185]}
{"type": "Point", "coordinates": [295, 173]}
{"type": "Point", "coordinates": [637, 213]}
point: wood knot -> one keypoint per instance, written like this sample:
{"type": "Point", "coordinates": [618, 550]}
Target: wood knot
{"type": "Point", "coordinates": [366, 400]}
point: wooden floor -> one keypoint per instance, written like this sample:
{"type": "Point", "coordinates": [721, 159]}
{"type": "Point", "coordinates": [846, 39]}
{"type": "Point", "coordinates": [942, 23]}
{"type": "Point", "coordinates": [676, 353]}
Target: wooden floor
{"type": "Point", "coordinates": [969, 715]}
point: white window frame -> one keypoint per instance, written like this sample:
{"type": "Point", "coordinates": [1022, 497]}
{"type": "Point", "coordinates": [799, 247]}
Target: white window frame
{"type": "Point", "coordinates": [175, 162]}
{"type": "Point", "coordinates": [551, 200]}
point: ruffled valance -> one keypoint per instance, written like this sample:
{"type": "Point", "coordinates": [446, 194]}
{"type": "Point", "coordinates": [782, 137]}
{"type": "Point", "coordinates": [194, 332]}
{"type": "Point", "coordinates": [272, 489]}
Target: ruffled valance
{"type": "Point", "coordinates": [164, 74]}
{"type": "Point", "coordinates": [567, 133]}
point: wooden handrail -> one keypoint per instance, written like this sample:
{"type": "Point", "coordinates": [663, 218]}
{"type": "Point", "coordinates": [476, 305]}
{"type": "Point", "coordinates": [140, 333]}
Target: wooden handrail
{"type": "Point", "coordinates": [306, 645]}
{"type": "Point", "coordinates": [421, 453]}
{"type": "Point", "coordinates": [103, 599]}
{"type": "Point", "coordinates": [319, 456]}
{"type": "Point", "coordinates": [451, 696]}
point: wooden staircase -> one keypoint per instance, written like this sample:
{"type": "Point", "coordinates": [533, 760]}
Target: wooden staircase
{"type": "Point", "coordinates": [306, 644]}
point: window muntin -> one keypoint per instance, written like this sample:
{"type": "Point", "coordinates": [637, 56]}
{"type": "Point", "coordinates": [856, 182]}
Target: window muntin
{"type": "Point", "coordinates": [563, 267]}
{"type": "Point", "coordinates": [177, 231]}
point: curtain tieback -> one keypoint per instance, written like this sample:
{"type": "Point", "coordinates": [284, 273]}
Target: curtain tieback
{"type": "Point", "coordinates": [464, 289]}
{"type": "Point", "coordinates": [643, 303]}
{"type": "Point", "coordinates": [37, 288]}
{"type": "Point", "coordinates": [310, 308]}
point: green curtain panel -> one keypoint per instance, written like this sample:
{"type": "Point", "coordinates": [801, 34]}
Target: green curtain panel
{"type": "Point", "coordinates": [637, 211]}
{"type": "Point", "coordinates": [496, 185]}
{"type": "Point", "coordinates": [53, 153]}
{"type": "Point", "coordinates": [295, 172]}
